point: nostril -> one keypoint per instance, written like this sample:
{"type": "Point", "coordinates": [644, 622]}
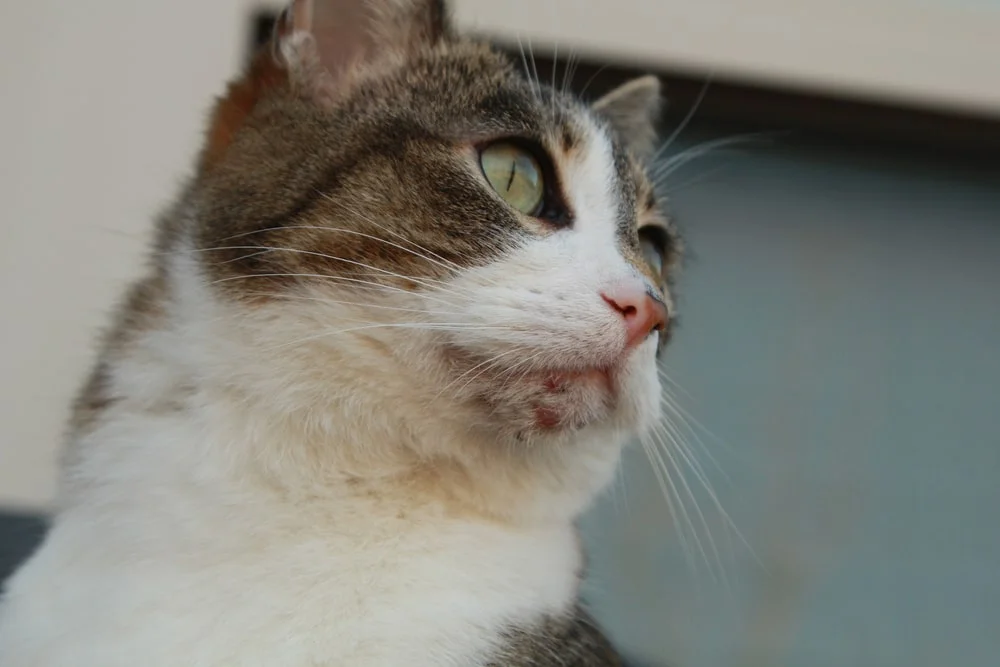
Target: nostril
{"type": "Point", "coordinates": [627, 310]}
{"type": "Point", "coordinates": [642, 314]}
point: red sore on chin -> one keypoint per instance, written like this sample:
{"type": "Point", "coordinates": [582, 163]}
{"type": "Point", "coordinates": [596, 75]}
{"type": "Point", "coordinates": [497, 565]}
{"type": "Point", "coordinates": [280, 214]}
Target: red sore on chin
{"type": "Point", "coordinates": [546, 418]}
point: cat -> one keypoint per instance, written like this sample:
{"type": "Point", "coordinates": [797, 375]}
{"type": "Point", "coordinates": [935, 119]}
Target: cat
{"type": "Point", "coordinates": [394, 334]}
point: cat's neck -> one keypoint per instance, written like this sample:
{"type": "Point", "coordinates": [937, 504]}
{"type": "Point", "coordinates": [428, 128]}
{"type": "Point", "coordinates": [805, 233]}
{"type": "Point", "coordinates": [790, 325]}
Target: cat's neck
{"type": "Point", "coordinates": [238, 415]}
{"type": "Point", "coordinates": [366, 446]}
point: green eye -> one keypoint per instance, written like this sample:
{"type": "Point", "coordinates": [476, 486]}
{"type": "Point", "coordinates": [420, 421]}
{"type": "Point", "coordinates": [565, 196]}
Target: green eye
{"type": "Point", "coordinates": [516, 176]}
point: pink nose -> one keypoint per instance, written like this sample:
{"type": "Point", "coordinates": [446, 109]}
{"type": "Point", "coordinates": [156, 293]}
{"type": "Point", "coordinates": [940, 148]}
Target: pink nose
{"type": "Point", "coordinates": [643, 314]}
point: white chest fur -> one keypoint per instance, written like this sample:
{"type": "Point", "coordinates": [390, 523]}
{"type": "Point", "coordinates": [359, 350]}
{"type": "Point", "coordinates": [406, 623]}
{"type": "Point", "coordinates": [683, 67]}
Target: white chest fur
{"type": "Point", "coordinates": [180, 574]}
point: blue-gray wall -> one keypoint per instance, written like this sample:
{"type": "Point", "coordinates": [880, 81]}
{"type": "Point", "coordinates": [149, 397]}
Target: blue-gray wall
{"type": "Point", "coordinates": [841, 340]}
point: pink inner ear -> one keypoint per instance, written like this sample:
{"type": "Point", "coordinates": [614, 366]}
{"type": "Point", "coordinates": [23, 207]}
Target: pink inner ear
{"type": "Point", "coordinates": [300, 14]}
{"type": "Point", "coordinates": [346, 33]}
{"type": "Point", "coordinates": [350, 32]}
{"type": "Point", "coordinates": [343, 31]}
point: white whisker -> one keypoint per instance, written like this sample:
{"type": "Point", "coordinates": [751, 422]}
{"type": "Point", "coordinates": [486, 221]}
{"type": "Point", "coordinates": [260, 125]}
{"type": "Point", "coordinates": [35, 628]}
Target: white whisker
{"type": "Point", "coordinates": [681, 505]}
{"type": "Point", "coordinates": [668, 167]}
{"type": "Point", "coordinates": [334, 279]}
{"type": "Point", "coordinates": [687, 118]}
{"type": "Point", "coordinates": [416, 251]}
{"type": "Point", "coordinates": [667, 402]}
{"type": "Point", "coordinates": [661, 439]}
{"type": "Point", "coordinates": [426, 282]}
{"type": "Point", "coordinates": [656, 463]}
{"type": "Point", "coordinates": [422, 251]}
{"type": "Point", "coordinates": [667, 429]}
{"type": "Point", "coordinates": [593, 76]}
{"type": "Point", "coordinates": [534, 68]}
{"type": "Point", "coordinates": [335, 302]}
{"type": "Point", "coordinates": [527, 70]}
{"type": "Point", "coordinates": [426, 326]}
{"type": "Point", "coordinates": [488, 364]}
{"type": "Point", "coordinates": [569, 73]}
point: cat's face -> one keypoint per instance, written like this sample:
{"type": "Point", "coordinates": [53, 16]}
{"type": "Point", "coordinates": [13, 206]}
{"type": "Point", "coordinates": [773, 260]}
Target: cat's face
{"type": "Point", "coordinates": [382, 194]}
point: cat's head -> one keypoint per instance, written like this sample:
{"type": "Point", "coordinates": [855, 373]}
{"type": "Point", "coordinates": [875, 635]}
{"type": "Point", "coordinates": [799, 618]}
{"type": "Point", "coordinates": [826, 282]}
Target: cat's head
{"type": "Point", "coordinates": [403, 225]}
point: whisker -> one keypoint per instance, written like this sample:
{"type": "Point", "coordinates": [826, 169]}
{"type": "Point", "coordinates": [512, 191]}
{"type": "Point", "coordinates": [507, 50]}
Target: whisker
{"type": "Point", "coordinates": [569, 73]}
{"type": "Point", "coordinates": [680, 442]}
{"type": "Point", "coordinates": [682, 506]}
{"type": "Point", "coordinates": [445, 262]}
{"type": "Point", "coordinates": [534, 67]}
{"type": "Point", "coordinates": [527, 70]}
{"type": "Point", "coordinates": [509, 373]}
{"type": "Point", "coordinates": [676, 411]}
{"type": "Point", "coordinates": [687, 455]}
{"type": "Point", "coordinates": [508, 370]}
{"type": "Point", "coordinates": [334, 279]}
{"type": "Point", "coordinates": [701, 178]}
{"type": "Point", "coordinates": [687, 118]}
{"type": "Point", "coordinates": [686, 419]}
{"type": "Point", "coordinates": [555, 71]}
{"type": "Point", "coordinates": [662, 372]}
{"type": "Point", "coordinates": [426, 282]}
{"type": "Point", "coordinates": [624, 482]}
{"type": "Point", "coordinates": [488, 363]}
{"type": "Point", "coordinates": [694, 502]}
{"type": "Point", "coordinates": [667, 167]}
{"type": "Point", "coordinates": [418, 252]}
{"type": "Point", "coordinates": [334, 302]}
{"type": "Point", "coordinates": [656, 465]}
{"type": "Point", "coordinates": [426, 326]}
{"type": "Point", "coordinates": [526, 364]}
{"type": "Point", "coordinates": [372, 221]}
{"type": "Point", "coordinates": [593, 76]}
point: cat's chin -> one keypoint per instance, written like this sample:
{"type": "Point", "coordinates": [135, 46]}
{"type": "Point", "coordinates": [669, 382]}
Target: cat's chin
{"type": "Point", "coordinates": [553, 401]}
{"type": "Point", "coordinates": [557, 408]}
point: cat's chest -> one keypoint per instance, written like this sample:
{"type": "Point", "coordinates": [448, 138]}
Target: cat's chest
{"type": "Point", "coordinates": [428, 594]}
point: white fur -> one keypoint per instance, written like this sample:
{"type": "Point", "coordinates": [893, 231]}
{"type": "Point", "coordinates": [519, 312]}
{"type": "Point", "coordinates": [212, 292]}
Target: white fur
{"type": "Point", "coordinates": [215, 515]}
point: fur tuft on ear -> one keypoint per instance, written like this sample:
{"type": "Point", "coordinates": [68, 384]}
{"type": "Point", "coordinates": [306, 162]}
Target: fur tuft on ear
{"type": "Point", "coordinates": [633, 110]}
{"type": "Point", "coordinates": [319, 47]}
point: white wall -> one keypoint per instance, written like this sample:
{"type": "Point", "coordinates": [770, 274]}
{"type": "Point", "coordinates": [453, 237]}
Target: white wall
{"type": "Point", "coordinates": [102, 107]}
{"type": "Point", "coordinates": [935, 53]}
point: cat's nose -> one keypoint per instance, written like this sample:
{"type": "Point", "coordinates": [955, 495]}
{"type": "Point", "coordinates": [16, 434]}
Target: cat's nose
{"type": "Point", "coordinates": [642, 312]}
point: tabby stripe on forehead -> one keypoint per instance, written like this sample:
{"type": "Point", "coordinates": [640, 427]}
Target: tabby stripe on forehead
{"type": "Point", "coordinates": [308, 188]}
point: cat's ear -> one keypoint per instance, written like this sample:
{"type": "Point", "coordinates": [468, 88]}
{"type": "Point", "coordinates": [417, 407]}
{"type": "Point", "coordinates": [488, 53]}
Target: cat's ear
{"type": "Point", "coordinates": [633, 110]}
{"type": "Point", "coordinates": [319, 48]}
{"type": "Point", "coordinates": [341, 36]}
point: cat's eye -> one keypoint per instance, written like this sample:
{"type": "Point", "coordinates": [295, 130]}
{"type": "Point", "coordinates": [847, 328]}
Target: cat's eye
{"type": "Point", "coordinates": [653, 244]}
{"type": "Point", "coordinates": [516, 175]}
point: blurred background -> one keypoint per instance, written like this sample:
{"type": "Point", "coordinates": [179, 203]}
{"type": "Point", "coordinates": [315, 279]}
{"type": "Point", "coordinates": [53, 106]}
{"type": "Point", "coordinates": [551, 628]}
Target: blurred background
{"type": "Point", "coordinates": [835, 169]}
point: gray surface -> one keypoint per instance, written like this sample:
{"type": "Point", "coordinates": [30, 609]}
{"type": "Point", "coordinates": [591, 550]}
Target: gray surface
{"type": "Point", "coordinates": [20, 534]}
{"type": "Point", "coordinates": [841, 339]}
